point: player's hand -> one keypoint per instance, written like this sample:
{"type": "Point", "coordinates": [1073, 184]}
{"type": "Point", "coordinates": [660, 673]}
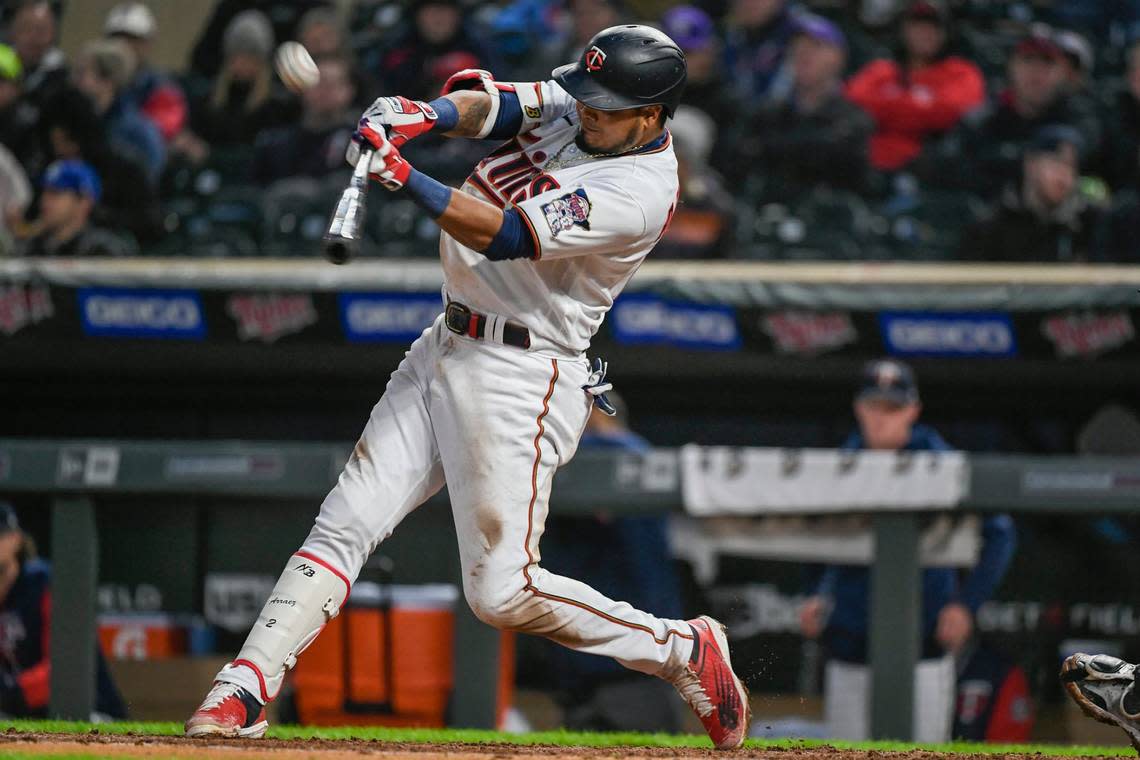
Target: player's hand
{"type": "Point", "coordinates": [813, 616]}
{"type": "Point", "coordinates": [470, 79]}
{"type": "Point", "coordinates": [399, 118]}
{"type": "Point", "coordinates": [387, 166]}
{"type": "Point", "coordinates": [955, 625]}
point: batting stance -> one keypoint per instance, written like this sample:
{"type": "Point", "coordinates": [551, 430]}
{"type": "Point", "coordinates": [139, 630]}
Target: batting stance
{"type": "Point", "coordinates": [492, 398]}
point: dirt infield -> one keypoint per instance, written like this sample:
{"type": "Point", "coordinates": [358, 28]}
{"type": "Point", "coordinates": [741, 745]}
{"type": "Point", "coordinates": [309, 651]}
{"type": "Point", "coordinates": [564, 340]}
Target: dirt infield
{"type": "Point", "coordinates": [324, 749]}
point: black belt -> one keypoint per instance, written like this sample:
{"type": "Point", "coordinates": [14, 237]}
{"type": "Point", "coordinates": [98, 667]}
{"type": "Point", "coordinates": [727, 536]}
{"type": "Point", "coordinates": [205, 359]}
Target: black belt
{"type": "Point", "coordinates": [462, 321]}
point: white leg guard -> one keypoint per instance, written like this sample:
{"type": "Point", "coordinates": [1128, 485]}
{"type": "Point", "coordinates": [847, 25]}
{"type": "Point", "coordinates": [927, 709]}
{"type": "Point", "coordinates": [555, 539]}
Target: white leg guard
{"type": "Point", "coordinates": [307, 595]}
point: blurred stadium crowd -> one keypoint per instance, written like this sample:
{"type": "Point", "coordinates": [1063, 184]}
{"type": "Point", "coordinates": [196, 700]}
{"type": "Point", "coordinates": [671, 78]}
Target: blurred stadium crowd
{"type": "Point", "coordinates": [824, 129]}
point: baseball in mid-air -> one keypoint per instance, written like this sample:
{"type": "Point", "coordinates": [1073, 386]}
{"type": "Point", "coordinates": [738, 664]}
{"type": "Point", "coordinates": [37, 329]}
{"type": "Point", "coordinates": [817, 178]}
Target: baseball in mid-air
{"type": "Point", "coordinates": [295, 66]}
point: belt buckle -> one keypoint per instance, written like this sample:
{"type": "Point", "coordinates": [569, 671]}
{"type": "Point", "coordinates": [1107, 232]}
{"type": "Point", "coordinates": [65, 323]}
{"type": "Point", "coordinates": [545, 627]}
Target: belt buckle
{"type": "Point", "coordinates": [456, 317]}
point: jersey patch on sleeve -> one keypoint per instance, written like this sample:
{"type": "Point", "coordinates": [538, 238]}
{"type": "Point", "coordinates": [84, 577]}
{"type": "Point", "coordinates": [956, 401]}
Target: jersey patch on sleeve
{"type": "Point", "coordinates": [568, 211]}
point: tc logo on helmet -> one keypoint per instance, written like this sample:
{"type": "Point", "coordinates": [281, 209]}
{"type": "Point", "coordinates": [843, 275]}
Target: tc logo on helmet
{"type": "Point", "coordinates": [595, 57]}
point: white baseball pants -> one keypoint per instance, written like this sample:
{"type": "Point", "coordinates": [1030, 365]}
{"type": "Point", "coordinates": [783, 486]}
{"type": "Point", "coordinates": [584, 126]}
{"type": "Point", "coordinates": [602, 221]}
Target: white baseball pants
{"type": "Point", "coordinates": [847, 700]}
{"type": "Point", "coordinates": [494, 422]}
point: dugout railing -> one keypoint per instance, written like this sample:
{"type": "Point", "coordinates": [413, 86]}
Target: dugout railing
{"type": "Point", "coordinates": [77, 474]}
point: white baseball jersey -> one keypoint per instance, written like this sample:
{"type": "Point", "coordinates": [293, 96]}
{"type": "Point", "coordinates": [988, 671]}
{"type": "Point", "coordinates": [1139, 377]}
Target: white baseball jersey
{"type": "Point", "coordinates": [593, 219]}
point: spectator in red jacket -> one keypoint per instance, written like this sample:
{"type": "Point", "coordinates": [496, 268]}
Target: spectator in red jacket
{"type": "Point", "coordinates": [922, 95]}
{"type": "Point", "coordinates": [156, 95]}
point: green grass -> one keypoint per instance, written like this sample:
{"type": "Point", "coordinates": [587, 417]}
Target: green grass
{"type": "Point", "coordinates": [560, 738]}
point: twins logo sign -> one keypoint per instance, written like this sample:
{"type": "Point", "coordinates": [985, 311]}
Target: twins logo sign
{"type": "Point", "coordinates": [564, 213]}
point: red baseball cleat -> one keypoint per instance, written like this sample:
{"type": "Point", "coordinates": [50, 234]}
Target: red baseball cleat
{"type": "Point", "coordinates": [710, 687]}
{"type": "Point", "coordinates": [228, 710]}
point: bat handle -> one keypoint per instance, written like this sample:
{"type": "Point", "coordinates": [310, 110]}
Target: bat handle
{"type": "Point", "coordinates": [363, 163]}
{"type": "Point", "coordinates": [343, 235]}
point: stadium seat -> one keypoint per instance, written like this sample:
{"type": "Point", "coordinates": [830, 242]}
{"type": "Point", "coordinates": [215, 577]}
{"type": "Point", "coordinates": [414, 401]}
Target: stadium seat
{"type": "Point", "coordinates": [398, 228]}
{"type": "Point", "coordinates": [237, 207]}
{"type": "Point", "coordinates": [928, 224]}
{"type": "Point", "coordinates": [211, 242]}
{"type": "Point", "coordinates": [295, 215]}
{"type": "Point", "coordinates": [835, 226]}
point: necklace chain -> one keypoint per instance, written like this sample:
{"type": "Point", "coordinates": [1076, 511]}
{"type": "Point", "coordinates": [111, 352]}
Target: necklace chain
{"type": "Point", "coordinates": [555, 161]}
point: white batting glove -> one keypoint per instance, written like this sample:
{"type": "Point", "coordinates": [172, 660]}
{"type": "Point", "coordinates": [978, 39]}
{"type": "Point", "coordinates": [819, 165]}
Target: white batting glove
{"type": "Point", "coordinates": [400, 118]}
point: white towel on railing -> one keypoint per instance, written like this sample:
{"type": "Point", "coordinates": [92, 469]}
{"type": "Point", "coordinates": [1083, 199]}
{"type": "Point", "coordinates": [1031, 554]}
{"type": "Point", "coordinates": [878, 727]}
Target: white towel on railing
{"type": "Point", "coordinates": [722, 480]}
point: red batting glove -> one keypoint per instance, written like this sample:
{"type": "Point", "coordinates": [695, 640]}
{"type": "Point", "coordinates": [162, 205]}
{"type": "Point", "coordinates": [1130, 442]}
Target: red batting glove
{"type": "Point", "coordinates": [400, 118]}
{"type": "Point", "coordinates": [387, 167]}
{"type": "Point", "coordinates": [470, 79]}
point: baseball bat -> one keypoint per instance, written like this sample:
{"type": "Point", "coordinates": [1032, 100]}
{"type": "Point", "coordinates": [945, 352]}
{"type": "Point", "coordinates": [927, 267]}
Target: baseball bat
{"type": "Point", "coordinates": [342, 239]}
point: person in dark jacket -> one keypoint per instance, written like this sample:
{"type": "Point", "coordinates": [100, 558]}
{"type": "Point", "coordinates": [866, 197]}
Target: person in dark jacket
{"type": "Point", "coordinates": [207, 59]}
{"type": "Point", "coordinates": [32, 31]}
{"type": "Point", "coordinates": [816, 137]}
{"type": "Point", "coordinates": [1045, 217]}
{"type": "Point", "coordinates": [437, 29]}
{"type": "Point", "coordinates": [705, 86]}
{"type": "Point", "coordinates": [757, 36]}
{"type": "Point", "coordinates": [314, 147]}
{"type": "Point", "coordinates": [129, 200]}
{"type": "Point", "coordinates": [18, 118]}
{"type": "Point", "coordinates": [923, 94]}
{"type": "Point", "coordinates": [244, 98]}
{"type": "Point", "coordinates": [71, 191]}
{"type": "Point", "coordinates": [1078, 60]}
{"type": "Point", "coordinates": [102, 72]}
{"type": "Point", "coordinates": [985, 154]}
{"type": "Point", "coordinates": [887, 407]}
{"type": "Point", "coordinates": [25, 631]}
{"type": "Point", "coordinates": [1121, 154]}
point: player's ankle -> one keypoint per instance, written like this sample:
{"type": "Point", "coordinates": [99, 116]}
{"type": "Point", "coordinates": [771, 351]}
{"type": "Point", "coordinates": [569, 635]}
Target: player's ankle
{"type": "Point", "coordinates": [246, 676]}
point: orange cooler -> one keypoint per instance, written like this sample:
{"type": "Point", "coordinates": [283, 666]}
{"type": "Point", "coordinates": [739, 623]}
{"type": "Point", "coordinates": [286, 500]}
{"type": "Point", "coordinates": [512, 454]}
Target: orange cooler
{"type": "Point", "coordinates": [142, 637]}
{"type": "Point", "coordinates": [387, 659]}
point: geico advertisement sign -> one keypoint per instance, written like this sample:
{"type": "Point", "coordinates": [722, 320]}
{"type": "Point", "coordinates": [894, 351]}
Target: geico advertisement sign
{"type": "Point", "coordinates": [387, 317]}
{"type": "Point", "coordinates": [142, 313]}
{"type": "Point", "coordinates": [641, 319]}
{"type": "Point", "coordinates": [967, 334]}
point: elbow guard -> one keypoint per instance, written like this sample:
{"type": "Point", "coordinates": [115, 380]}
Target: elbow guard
{"type": "Point", "coordinates": [476, 79]}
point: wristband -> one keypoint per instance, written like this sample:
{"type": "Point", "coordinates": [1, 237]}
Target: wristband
{"type": "Point", "coordinates": [429, 194]}
{"type": "Point", "coordinates": [447, 115]}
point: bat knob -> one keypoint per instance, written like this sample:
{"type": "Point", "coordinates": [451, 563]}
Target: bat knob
{"type": "Point", "coordinates": [339, 250]}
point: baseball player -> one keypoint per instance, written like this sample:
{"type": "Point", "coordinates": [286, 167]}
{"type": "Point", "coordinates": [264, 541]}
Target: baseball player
{"type": "Point", "coordinates": [1106, 689]}
{"type": "Point", "coordinates": [492, 398]}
